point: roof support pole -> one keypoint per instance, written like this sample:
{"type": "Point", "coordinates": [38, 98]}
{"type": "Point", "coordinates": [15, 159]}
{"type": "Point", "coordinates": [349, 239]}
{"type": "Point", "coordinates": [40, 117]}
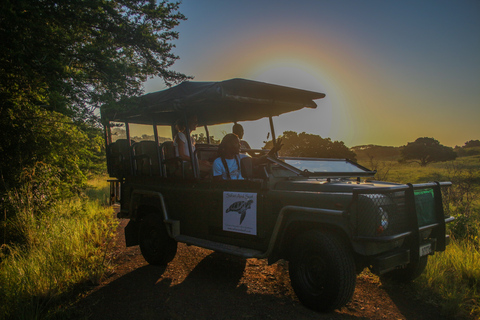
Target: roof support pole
{"type": "Point", "coordinates": [208, 134]}
{"type": "Point", "coordinates": [157, 144]}
{"type": "Point", "coordinates": [190, 147]}
{"type": "Point", "coordinates": [130, 149]}
{"type": "Point", "coordinates": [272, 129]}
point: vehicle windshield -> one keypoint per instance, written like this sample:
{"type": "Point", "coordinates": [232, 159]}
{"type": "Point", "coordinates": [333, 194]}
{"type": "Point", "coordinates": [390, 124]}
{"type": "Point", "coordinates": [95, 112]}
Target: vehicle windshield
{"type": "Point", "coordinates": [323, 167]}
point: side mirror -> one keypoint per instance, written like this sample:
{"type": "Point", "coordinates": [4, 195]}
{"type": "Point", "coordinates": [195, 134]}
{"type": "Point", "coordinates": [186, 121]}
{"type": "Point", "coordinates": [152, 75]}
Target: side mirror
{"type": "Point", "coordinates": [246, 166]}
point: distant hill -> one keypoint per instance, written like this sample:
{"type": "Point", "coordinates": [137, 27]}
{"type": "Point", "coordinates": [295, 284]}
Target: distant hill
{"type": "Point", "coordinates": [375, 152]}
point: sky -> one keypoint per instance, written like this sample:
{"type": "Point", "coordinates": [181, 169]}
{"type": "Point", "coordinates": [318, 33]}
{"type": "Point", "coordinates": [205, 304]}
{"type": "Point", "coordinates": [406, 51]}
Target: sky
{"type": "Point", "coordinates": [392, 71]}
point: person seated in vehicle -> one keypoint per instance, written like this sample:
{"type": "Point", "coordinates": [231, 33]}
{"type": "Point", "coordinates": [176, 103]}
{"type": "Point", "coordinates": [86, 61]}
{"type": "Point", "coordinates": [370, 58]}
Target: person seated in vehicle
{"type": "Point", "coordinates": [181, 143]}
{"type": "Point", "coordinates": [238, 130]}
{"type": "Point", "coordinates": [180, 140]}
{"type": "Point", "coordinates": [227, 165]}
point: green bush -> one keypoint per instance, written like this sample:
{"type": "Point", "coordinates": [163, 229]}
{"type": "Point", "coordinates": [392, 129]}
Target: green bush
{"type": "Point", "coordinates": [466, 228]}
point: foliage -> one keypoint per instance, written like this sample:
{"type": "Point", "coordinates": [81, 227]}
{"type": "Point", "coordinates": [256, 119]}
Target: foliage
{"type": "Point", "coordinates": [311, 146]}
{"type": "Point", "coordinates": [59, 61]}
{"type": "Point", "coordinates": [466, 229]}
{"type": "Point", "coordinates": [68, 55]}
{"type": "Point", "coordinates": [466, 152]}
{"type": "Point", "coordinates": [471, 148]}
{"type": "Point", "coordinates": [426, 150]}
{"type": "Point", "coordinates": [375, 152]}
{"type": "Point", "coordinates": [464, 194]}
{"type": "Point", "coordinates": [472, 144]}
{"type": "Point", "coordinates": [50, 138]}
{"type": "Point", "coordinates": [40, 189]}
{"type": "Point", "coordinates": [48, 160]}
{"type": "Point", "coordinates": [66, 244]}
{"type": "Point", "coordinates": [201, 138]}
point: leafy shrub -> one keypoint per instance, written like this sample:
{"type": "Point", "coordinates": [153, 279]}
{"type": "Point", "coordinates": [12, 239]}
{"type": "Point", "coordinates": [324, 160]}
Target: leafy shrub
{"type": "Point", "coordinates": [41, 187]}
{"type": "Point", "coordinates": [466, 228]}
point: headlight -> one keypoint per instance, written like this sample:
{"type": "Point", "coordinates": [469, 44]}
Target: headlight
{"type": "Point", "coordinates": [378, 215]}
{"type": "Point", "coordinates": [383, 220]}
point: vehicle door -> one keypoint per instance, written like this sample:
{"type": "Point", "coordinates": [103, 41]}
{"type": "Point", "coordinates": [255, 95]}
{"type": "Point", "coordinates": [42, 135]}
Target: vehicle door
{"type": "Point", "coordinates": [235, 213]}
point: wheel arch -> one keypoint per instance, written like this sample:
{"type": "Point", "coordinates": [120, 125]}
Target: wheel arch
{"type": "Point", "coordinates": [143, 203]}
{"type": "Point", "coordinates": [297, 220]}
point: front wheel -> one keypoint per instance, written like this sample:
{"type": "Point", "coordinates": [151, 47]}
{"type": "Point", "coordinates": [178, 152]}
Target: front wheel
{"type": "Point", "coordinates": [322, 271]}
{"type": "Point", "coordinates": [408, 273]}
{"type": "Point", "coordinates": [155, 244]}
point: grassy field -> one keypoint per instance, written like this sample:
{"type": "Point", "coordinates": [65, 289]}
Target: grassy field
{"type": "Point", "coordinates": [452, 278]}
{"type": "Point", "coordinates": [66, 247]}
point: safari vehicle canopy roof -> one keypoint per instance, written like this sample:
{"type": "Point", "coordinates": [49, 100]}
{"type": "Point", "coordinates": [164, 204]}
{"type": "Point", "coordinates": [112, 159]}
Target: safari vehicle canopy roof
{"type": "Point", "coordinates": [212, 102]}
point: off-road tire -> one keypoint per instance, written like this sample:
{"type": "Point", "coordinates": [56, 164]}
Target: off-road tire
{"type": "Point", "coordinates": [322, 271]}
{"type": "Point", "coordinates": [155, 244]}
{"type": "Point", "coordinates": [408, 273]}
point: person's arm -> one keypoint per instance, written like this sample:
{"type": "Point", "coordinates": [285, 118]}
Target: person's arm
{"type": "Point", "coordinates": [218, 170]}
{"type": "Point", "coordinates": [271, 153]}
{"type": "Point", "coordinates": [182, 146]}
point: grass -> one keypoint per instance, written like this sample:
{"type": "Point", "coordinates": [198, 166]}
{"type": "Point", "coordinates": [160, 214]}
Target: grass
{"type": "Point", "coordinates": [452, 278]}
{"type": "Point", "coordinates": [65, 247]}
{"type": "Point", "coordinates": [98, 189]}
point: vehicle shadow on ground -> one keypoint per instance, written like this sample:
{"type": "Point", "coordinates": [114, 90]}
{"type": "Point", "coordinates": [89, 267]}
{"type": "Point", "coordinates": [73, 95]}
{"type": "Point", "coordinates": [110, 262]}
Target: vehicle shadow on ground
{"type": "Point", "coordinates": [212, 290]}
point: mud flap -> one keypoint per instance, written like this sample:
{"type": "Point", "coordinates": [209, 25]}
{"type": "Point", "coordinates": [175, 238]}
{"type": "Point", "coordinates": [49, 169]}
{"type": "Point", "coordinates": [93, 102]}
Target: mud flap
{"type": "Point", "coordinates": [390, 261]}
{"type": "Point", "coordinates": [131, 234]}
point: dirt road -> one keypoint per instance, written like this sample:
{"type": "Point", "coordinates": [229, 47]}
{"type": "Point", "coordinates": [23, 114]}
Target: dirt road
{"type": "Point", "coordinates": [201, 284]}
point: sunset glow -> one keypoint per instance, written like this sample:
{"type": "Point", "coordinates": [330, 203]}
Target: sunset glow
{"type": "Point", "coordinates": [391, 72]}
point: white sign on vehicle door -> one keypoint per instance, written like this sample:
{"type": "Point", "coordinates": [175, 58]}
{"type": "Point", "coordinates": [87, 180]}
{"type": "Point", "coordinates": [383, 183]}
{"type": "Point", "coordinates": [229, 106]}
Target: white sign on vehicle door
{"type": "Point", "coordinates": [240, 212]}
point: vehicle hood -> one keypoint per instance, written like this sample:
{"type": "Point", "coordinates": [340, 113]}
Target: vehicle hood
{"type": "Point", "coordinates": [312, 185]}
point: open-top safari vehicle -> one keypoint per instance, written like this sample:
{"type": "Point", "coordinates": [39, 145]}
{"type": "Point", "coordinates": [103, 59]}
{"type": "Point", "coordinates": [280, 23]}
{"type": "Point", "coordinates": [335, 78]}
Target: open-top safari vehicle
{"type": "Point", "coordinates": [324, 216]}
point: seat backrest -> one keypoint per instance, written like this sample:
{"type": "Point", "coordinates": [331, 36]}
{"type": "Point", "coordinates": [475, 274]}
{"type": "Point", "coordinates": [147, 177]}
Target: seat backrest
{"type": "Point", "coordinates": [172, 165]}
{"type": "Point", "coordinates": [168, 150]}
{"type": "Point", "coordinates": [146, 158]}
{"type": "Point", "coordinates": [209, 153]}
{"type": "Point", "coordinates": [118, 154]}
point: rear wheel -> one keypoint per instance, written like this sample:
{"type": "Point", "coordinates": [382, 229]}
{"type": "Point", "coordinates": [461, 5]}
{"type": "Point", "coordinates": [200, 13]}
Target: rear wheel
{"type": "Point", "coordinates": [408, 273]}
{"type": "Point", "coordinates": [155, 244]}
{"type": "Point", "coordinates": [322, 271]}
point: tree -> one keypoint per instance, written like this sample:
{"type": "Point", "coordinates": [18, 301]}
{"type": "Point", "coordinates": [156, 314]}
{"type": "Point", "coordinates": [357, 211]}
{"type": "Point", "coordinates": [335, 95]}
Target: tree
{"type": "Point", "coordinates": [201, 138]}
{"type": "Point", "coordinates": [472, 144]}
{"type": "Point", "coordinates": [471, 148]}
{"type": "Point", "coordinates": [312, 146]}
{"type": "Point", "coordinates": [370, 152]}
{"type": "Point", "coordinates": [60, 60]}
{"type": "Point", "coordinates": [426, 150]}
{"type": "Point", "coordinates": [71, 56]}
